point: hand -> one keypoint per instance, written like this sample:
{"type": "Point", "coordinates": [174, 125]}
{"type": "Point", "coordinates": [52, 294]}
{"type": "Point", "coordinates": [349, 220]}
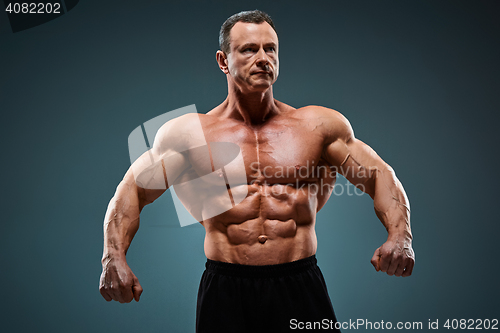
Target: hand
{"type": "Point", "coordinates": [395, 257]}
{"type": "Point", "coordinates": [118, 282]}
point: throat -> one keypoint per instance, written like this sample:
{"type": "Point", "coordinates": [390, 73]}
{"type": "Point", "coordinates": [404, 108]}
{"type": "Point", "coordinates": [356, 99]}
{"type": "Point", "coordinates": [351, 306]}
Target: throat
{"type": "Point", "coordinates": [252, 108]}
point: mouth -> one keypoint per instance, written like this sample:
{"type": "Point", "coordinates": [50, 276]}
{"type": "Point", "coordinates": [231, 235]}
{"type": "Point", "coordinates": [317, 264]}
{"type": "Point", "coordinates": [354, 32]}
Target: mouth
{"type": "Point", "coordinates": [261, 72]}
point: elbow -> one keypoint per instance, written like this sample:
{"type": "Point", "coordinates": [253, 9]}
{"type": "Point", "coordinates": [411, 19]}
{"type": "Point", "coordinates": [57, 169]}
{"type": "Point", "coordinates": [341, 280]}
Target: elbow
{"type": "Point", "coordinates": [381, 177]}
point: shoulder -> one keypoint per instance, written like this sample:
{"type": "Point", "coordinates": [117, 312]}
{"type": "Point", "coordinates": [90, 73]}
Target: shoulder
{"type": "Point", "coordinates": [334, 124]}
{"type": "Point", "coordinates": [179, 124]}
{"type": "Point", "coordinates": [180, 133]}
{"type": "Point", "coordinates": [317, 112]}
{"type": "Point", "coordinates": [178, 127]}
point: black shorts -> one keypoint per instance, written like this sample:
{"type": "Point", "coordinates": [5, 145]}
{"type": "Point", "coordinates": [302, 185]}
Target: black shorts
{"type": "Point", "coordinates": [273, 298]}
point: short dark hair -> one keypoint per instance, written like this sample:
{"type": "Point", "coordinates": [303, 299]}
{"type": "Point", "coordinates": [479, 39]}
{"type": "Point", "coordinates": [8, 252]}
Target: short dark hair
{"type": "Point", "coordinates": [252, 16]}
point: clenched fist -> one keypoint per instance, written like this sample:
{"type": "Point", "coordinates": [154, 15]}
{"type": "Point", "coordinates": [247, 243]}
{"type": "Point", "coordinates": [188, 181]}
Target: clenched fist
{"type": "Point", "coordinates": [394, 257]}
{"type": "Point", "coordinates": [118, 282]}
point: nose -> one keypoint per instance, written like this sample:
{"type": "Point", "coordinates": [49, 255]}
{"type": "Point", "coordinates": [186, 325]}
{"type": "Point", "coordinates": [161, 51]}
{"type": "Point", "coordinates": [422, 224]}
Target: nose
{"type": "Point", "coordinates": [262, 58]}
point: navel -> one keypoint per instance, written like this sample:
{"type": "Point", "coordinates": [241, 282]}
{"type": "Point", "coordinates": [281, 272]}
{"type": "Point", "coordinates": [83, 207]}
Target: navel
{"type": "Point", "coordinates": [262, 239]}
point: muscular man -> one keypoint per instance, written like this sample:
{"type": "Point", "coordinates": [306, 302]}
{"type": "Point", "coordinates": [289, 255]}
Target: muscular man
{"type": "Point", "coordinates": [261, 268]}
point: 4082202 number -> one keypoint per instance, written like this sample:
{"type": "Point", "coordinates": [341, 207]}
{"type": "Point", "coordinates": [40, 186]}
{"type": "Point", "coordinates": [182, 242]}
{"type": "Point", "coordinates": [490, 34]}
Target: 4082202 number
{"type": "Point", "coordinates": [33, 8]}
{"type": "Point", "coordinates": [471, 324]}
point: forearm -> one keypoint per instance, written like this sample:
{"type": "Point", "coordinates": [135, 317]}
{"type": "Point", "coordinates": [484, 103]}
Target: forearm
{"type": "Point", "coordinates": [391, 204]}
{"type": "Point", "coordinates": [122, 220]}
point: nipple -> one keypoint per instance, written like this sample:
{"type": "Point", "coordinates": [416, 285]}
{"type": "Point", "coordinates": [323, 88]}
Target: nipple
{"type": "Point", "coordinates": [262, 239]}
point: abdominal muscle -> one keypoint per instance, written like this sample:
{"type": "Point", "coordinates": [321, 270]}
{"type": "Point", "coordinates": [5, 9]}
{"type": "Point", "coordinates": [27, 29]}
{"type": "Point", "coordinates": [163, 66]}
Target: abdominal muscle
{"type": "Point", "coordinates": [274, 224]}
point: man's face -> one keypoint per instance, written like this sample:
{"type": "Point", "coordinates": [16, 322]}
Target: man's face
{"type": "Point", "coordinates": [253, 61]}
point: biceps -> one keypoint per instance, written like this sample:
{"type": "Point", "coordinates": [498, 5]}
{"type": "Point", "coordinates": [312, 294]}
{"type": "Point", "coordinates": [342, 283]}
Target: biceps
{"type": "Point", "coordinates": [357, 162]}
{"type": "Point", "coordinates": [153, 172]}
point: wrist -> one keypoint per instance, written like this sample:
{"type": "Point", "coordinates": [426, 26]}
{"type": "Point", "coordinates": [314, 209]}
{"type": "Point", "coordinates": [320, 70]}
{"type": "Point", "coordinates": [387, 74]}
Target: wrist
{"type": "Point", "coordinates": [400, 235]}
{"type": "Point", "coordinates": [112, 256]}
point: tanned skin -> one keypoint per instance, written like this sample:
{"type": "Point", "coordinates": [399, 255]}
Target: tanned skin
{"type": "Point", "coordinates": [275, 223]}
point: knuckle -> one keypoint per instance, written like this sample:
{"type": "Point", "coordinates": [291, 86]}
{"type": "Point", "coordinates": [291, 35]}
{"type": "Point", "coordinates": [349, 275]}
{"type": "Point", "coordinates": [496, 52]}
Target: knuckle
{"type": "Point", "coordinates": [115, 287]}
{"type": "Point", "coordinates": [386, 252]}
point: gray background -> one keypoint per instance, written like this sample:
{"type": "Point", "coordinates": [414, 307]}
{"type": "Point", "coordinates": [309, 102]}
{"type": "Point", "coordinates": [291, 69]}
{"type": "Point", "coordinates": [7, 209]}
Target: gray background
{"type": "Point", "coordinates": [418, 80]}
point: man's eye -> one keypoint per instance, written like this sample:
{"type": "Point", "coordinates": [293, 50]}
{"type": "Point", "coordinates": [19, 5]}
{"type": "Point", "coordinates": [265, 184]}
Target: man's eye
{"type": "Point", "coordinates": [271, 49]}
{"type": "Point", "coordinates": [248, 49]}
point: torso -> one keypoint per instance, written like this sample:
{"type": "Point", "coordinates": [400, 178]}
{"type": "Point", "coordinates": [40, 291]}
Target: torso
{"type": "Point", "coordinates": [287, 183]}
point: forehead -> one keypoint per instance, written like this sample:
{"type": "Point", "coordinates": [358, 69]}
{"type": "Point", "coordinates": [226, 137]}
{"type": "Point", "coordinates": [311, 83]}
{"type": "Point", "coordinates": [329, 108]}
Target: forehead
{"type": "Point", "coordinates": [243, 33]}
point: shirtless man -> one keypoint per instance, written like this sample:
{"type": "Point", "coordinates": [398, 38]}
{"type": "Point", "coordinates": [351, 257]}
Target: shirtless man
{"type": "Point", "coordinates": [261, 267]}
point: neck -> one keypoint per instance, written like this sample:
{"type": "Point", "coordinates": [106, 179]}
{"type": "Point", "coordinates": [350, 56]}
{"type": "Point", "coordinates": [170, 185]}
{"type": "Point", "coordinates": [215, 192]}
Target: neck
{"type": "Point", "coordinates": [253, 108]}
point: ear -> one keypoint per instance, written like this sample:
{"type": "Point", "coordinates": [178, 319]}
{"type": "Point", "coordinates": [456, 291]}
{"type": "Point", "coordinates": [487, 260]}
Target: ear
{"type": "Point", "coordinates": [222, 61]}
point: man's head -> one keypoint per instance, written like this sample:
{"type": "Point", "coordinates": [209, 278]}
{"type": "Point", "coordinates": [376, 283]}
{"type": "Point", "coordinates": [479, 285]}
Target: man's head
{"type": "Point", "coordinates": [249, 50]}
{"type": "Point", "coordinates": [251, 16]}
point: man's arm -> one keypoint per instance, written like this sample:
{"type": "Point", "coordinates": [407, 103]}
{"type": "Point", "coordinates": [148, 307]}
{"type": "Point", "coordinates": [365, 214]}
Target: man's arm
{"type": "Point", "coordinates": [366, 170]}
{"type": "Point", "coordinates": [120, 225]}
{"type": "Point", "coordinates": [143, 183]}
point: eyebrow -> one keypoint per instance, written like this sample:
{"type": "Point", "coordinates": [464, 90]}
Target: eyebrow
{"type": "Point", "coordinates": [253, 45]}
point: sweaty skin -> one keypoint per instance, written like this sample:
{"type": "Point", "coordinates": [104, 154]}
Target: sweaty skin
{"type": "Point", "coordinates": [291, 158]}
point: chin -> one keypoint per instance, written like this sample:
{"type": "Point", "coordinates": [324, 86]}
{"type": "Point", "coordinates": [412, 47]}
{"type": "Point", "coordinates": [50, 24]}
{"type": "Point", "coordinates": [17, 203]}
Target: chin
{"type": "Point", "coordinates": [256, 86]}
{"type": "Point", "coordinates": [261, 85]}
{"type": "Point", "coordinates": [260, 88]}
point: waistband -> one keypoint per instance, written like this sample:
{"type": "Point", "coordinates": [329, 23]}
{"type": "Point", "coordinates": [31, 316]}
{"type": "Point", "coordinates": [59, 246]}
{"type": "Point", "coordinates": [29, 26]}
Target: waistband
{"type": "Point", "coordinates": [263, 271]}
